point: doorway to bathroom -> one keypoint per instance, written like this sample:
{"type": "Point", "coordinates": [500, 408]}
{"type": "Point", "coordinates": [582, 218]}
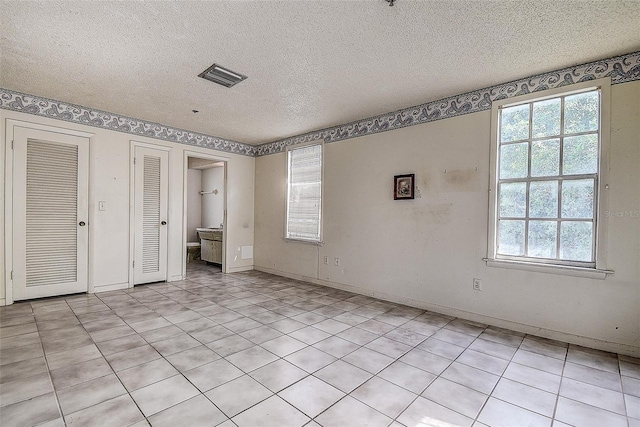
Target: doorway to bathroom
{"type": "Point", "coordinates": [205, 214]}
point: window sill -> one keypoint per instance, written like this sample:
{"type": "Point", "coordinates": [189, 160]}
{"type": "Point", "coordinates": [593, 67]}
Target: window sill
{"type": "Point", "coordinates": [565, 270]}
{"type": "Point", "coordinates": [308, 242]}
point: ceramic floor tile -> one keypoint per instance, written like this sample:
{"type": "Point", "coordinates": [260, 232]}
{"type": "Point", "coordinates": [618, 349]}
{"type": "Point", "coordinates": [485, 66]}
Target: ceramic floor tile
{"type": "Point", "coordinates": [483, 361]}
{"type": "Point", "coordinates": [278, 375]}
{"type": "Point", "coordinates": [212, 333]}
{"type": "Point", "coordinates": [18, 354]}
{"type": "Point", "coordinates": [24, 389]}
{"type": "Point", "coordinates": [121, 344]}
{"type": "Point", "coordinates": [120, 411]}
{"type": "Point", "coordinates": [369, 360]}
{"type": "Point", "coordinates": [426, 361]}
{"type": "Point", "coordinates": [407, 336]}
{"type": "Point", "coordinates": [388, 347]}
{"type": "Point", "coordinates": [633, 406]}
{"type": "Point", "coordinates": [441, 348]}
{"type": "Point", "coordinates": [502, 337]}
{"type": "Point", "coordinates": [19, 340]}
{"type": "Point", "coordinates": [593, 376]}
{"type": "Point", "coordinates": [630, 369]}
{"type": "Point", "coordinates": [197, 411]}
{"type": "Point", "coordinates": [80, 372]}
{"type": "Point", "coordinates": [212, 374]}
{"type": "Point", "coordinates": [261, 334]}
{"type": "Point", "coordinates": [310, 359]}
{"type": "Point", "coordinates": [23, 369]}
{"type": "Point", "coordinates": [309, 335]}
{"type": "Point", "coordinates": [30, 412]}
{"type": "Point", "coordinates": [252, 358]}
{"type": "Point", "coordinates": [192, 358]}
{"type": "Point", "coordinates": [238, 395]}
{"type": "Point", "coordinates": [539, 361]}
{"type": "Point", "coordinates": [533, 377]}
{"type": "Point", "coordinates": [90, 393]}
{"type": "Point", "coordinates": [479, 380]}
{"type": "Point", "coordinates": [594, 359]}
{"type": "Point", "coordinates": [384, 396]}
{"type": "Point", "coordinates": [230, 345]}
{"type": "Point", "coordinates": [407, 376]}
{"type": "Point", "coordinates": [583, 415]}
{"type": "Point", "coordinates": [175, 344]}
{"type": "Point", "coordinates": [287, 325]}
{"type": "Point", "coordinates": [164, 394]}
{"type": "Point", "coordinates": [358, 336]}
{"type": "Point", "coordinates": [526, 397]}
{"type": "Point", "coordinates": [543, 347]}
{"type": "Point", "coordinates": [497, 413]}
{"type": "Point", "coordinates": [343, 375]}
{"type": "Point", "coordinates": [311, 395]}
{"type": "Point", "coordinates": [491, 348]}
{"type": "Point", "coordinates": [353, 410]}
{"type": "Point", "coordinates": [147, 373]}
{"type": "Point", "coordinates": [273, 412]}
{"type": "Point", "coordinates": [128, 358]}
{"type": "Point", "coordinates": [425, 412]}
{"type": "Point", "coordinates": [283, 346]}
{"type": "Point", "coordinates": [336, 346]}
{"type": "Point", "coordinates": [631, 386]}
{"type": "Point", "coordinates": [593, 395]}
{"type": "Point", "coordinates": [456, 397]}
{"type": "Point", "coordinates": [454, 337]}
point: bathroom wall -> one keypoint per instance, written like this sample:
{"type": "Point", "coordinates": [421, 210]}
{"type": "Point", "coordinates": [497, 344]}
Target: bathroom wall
{"type": "Point", "coordinates": [194, 203]}
{"type": "Point", "coordinates": [426, 252]}
{"type": "Point", "coordinates": [213, 204]}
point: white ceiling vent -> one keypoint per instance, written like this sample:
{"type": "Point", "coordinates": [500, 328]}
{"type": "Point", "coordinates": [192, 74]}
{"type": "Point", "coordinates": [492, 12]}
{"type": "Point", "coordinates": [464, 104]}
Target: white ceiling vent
{"type": "Point", "coordinates": [222, 76]}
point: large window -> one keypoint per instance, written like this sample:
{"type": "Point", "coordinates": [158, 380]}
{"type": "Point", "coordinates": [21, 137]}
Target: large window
{"type": "Point", "coordinates": [304, 193]}
{"type": "Point", "coordinates": [547, 164]}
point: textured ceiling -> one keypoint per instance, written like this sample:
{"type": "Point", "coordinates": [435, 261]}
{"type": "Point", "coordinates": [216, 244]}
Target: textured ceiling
{"type": "Point", "coordinates": [310, 64]}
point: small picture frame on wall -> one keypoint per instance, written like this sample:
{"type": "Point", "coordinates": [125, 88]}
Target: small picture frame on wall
{"type": "Point", "coordinates": [403, 187]}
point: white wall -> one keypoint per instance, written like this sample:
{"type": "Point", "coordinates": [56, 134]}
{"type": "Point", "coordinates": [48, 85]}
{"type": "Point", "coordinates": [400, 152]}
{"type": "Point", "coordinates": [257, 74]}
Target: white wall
{"type": "Point", "coordinates": [194, 204]}
{"type": "Point", "coordinates": [426, 252]}
{"type": "Point", "coordinates": [109, 259]}
{"type": "Point", "coordinates": [213, 204]}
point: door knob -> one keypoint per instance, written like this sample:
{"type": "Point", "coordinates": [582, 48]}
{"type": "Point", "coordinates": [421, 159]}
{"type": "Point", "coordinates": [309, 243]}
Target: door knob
{"type": "Point", "coordinates": [81, 223]}
{"type": "Point", "coordinates": [164, 223]}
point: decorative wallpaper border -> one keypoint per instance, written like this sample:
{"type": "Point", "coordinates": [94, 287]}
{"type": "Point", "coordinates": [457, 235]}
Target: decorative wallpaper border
{"type": "Point", "coordinates": [30, 104]}
{"type": "Point", "coordinates": [621, 69]}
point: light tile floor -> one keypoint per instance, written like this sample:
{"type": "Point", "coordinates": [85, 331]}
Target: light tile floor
{"type": "Point", "coordinates": [252, 349]}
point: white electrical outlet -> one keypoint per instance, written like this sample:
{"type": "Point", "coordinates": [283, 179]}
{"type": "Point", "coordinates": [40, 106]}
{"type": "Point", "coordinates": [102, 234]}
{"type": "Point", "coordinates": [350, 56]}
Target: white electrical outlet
{"type": "Point", "coordinates": [326, 260]}
{"type": "Point", "coordinates": [477, 284]}
{"type": "Point", "coordinates": [337, 262]}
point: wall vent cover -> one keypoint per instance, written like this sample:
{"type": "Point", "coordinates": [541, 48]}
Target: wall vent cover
{"type": "Point", "coordinates": [222, 76]}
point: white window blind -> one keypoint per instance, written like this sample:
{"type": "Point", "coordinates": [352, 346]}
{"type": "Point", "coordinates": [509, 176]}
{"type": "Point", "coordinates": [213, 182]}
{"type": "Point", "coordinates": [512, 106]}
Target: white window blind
{"type": "Point", "coordinates": [151, 215]}
{"type": "Point", "coordinates": [304, 193]}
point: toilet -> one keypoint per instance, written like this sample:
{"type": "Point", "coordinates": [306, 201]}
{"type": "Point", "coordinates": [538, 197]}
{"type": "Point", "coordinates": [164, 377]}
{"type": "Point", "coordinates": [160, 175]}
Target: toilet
{"type": "Point", "coordinates": [193, 251]}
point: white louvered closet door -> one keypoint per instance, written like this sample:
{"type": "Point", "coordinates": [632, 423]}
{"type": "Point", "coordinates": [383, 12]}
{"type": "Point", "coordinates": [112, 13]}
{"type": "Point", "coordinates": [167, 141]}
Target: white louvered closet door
{"type": "Point", "coordinates": [150, 240]}
{"type": "Point", "coordinates": [50, 214]}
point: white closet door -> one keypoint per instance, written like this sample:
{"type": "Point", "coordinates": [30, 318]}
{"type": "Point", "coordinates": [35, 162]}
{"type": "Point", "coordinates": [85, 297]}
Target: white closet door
{"type": "Point", "coordinates": [50, 213]}
{"type": "Point", "coordinates": [151, 190]}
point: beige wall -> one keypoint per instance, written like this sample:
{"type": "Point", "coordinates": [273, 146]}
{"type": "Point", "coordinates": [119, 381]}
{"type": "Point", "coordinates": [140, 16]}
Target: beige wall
{"type": "Point", "coordinates": [426, 252]}
{"type": "Point", "coordinates": [109, 181]}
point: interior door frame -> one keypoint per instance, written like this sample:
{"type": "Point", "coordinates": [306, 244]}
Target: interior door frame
{"type": "Point", "coordinates": [132, 202]}
{"type": "Point", "coordinates": [10, 126]}
{"type": "Point", "coordinates": [185, 171]}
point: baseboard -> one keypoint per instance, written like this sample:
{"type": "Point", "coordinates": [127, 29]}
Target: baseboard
{"type": "Point", "coordinates": [176, 278]}
{"type": "Point", "coordinates": [466, 315]}
{"type": "Point", "coordinates": [240, 269]}
{"type": "Point", "coordinates": [112, 287]}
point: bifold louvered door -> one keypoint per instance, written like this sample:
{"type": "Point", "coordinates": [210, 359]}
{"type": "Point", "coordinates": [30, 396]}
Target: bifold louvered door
{"type": "Point", "coordinates": [50, 213]}
{"type": "Point", "coordinates": [150, 234]}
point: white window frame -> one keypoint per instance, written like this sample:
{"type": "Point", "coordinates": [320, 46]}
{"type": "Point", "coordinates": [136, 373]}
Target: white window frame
{"type": "Point", "coordinates": [599, 270]}
{"type": "Point", "coordinates": [319, 240]}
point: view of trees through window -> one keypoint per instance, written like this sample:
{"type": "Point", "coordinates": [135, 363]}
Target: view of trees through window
{"type": "Point", "coordinates": [548, 178]}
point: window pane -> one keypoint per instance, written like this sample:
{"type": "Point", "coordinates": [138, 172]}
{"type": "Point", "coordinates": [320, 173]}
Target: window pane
{"type": "Point", "coordinates": [511, 237]}
{"type": "Point", "coordinates": [513, 160]}
{"type": "Point", "coordinates": [514, 123]}
{"type": "Point", "coordinates": [580, 155]}
{"type": "Point", "coordinates": [542, 239]}
{"type": "Point", "coordinates": [543, 199]}
{"type": "Point", "coordinates": [304, 193]}
{"type": "Point", "coordinates": [575, 241]}
{"type": "Point", "coordinates": [513, 199]}
{"type": "Point", "coordinates": [577, 198]}
{"type": "Point", "coordinates": [581, 112]}
{"type": "Point", "coordinates": [545, 158]}
{"type": "Point", "coordinates": [546, 118]}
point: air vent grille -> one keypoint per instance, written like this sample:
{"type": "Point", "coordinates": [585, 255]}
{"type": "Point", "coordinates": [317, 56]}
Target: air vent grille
{"type": "Point", "coordinates": [222, 76]}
